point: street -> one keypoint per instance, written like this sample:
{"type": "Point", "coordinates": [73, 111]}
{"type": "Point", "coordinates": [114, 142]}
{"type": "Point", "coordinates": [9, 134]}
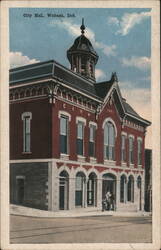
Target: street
{"type": "Point", "coordinates": [94, 229]}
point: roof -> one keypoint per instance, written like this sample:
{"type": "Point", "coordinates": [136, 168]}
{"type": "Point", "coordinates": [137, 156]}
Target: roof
{"type": "Point", "coordinates": [82, 44]}
{"type": "Point", "coordinates": [54, 70]}
{"type": "Point", "coordinates": [102, 88]}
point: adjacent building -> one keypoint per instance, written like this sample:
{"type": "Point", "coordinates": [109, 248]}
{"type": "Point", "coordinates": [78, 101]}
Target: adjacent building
{"type": "Point", "coordinates": [72, 139]}
{"type": "Point", "coordinates": [148, 180]}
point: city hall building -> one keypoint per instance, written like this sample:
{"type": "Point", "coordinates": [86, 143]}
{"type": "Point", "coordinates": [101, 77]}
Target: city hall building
{"type": "Point", "coordinates": [72, 139]}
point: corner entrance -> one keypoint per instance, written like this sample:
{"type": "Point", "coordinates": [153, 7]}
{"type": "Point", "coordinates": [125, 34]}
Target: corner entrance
{"type": "Point", "coordinates": [109, 184]}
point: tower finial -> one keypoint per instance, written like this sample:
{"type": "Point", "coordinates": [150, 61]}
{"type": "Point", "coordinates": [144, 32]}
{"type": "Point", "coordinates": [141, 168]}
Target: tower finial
{"type": "Point", "coordinates": [82, 27]}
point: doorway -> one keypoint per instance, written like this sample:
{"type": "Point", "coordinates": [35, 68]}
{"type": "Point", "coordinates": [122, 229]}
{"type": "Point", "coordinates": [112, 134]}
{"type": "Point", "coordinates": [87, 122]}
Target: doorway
{"type": "Point", "coordinates": [139, 191]}
{"type": "Point", "coordinates": [109, 184]}
{"type": "Point", "coordinates": [91, 190]}
{"type": "Point", "coordinates": [20, 183]}
{"type": "Point", "coordinates": [80, 189]}
{"type": "Point", "coordinates": [63, 190]}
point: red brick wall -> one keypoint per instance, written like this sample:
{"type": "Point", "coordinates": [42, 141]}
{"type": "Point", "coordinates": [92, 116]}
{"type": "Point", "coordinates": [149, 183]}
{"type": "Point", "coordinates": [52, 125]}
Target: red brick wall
{"type": "Point", "coordinates": [40, 129]}
{"type": "Point", "coordinates": [45, 131]}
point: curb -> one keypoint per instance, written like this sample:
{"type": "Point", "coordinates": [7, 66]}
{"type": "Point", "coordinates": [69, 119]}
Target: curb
{"type": "Point", "coordinates": [31, 212]}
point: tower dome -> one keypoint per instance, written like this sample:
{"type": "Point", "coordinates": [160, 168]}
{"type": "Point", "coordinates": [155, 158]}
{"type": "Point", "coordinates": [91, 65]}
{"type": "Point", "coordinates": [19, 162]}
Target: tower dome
{"type": "Point", "coordinates": [82, 56]}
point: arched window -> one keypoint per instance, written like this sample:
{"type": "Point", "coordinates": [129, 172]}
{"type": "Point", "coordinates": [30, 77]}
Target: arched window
{"type": "Point", "coordinates": [63, 190]}
{"type": "Point", "coordinates": [79, 189]}
{"type": "Point", "coordinates": [109, 141]}
{"type": "Point", "coordinates": [130, 193]}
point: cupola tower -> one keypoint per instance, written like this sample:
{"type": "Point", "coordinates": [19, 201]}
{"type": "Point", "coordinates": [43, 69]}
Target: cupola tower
{"type": "Point", "coordinates": [82, 56]}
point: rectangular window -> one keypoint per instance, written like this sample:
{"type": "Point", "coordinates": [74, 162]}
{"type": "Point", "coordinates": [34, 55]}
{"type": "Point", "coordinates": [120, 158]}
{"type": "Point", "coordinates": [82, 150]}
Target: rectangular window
{"type": "Point", "coordinates": [131, 150]}
{"type": "Point", "coordinates": [63, 135]}
{"type": "Point", "coordinates": [123, 148]}
{"type": "Point", "coordinates": [80, 135]}
{"type": "Point", "coordinates": [92, 140]}
{"type": "Point", "coordinates": [139, 152]}
{"type": "Point", "coordinates": [26, 131]}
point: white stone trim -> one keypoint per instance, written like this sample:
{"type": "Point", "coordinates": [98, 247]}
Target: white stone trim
{"type": "Point", "coordinates": [26, 114]}
{"type": "Point", "coordinates": [109, 119]}
{"type": "Point", "coordinates": [64, 156]}
{"type": "Point", "coordinates": [123, 163]}
{"type": "Point", "coordinates": [93, 124]}
{"type": "Point", "coordinates": [81, 169]}
{"type": "Point", "coordinates": [64, 113]}
{"type": "Point", "coordinates": [139, 139]}
{"type": "Point", "coordinates": [80, 119]}
{"type": "Point", "coordinates": [63, 168]}
{"type": "Point", "coordinates": [20, 177]}
{"type": "Point", "coordinates": [109, 162]}
{"type": "Point", "coordinates": [131, 136]}
{"type": "Point", "coordinates": [93, 160]}
{"type": "Point", "coordinates": [81, 158]}
{"type": "Point", "coordinates": [124, 133]}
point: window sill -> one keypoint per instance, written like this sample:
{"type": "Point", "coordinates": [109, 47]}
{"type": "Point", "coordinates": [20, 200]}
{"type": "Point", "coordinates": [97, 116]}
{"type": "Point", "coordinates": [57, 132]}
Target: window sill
{"type": "Point", "coordinates": [123, 164]}
{"type": "Point", "coordinates": [64, 156]}
{"type": "Point", "coordinates": [131, 165]}
{"type": "Point", "coordinates": [110, 162]}
{"type": "Point", "coordinates": [26, 153]}
{"type": "Point", "coordinates": [140, 166]}
{"type": "Point", "coordinates": [92, 159]}
{"type": "Point", "coordinates": [81, 158]}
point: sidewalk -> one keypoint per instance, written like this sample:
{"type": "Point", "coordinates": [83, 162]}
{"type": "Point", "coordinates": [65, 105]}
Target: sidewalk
{"type": "Point", "coordinates": [79, 212]}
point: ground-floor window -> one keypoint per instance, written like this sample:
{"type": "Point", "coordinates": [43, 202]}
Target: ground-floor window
{"type": "Point", "coordinates": [123, 190]}
{"type": "Point", "coordinates": [139, 185]}
{"type": "Point", "coordinates": [130, 189]}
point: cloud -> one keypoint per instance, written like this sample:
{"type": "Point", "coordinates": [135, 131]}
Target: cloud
{"type": "Point", "coordinates": [140, 100]}
{"type": "Point", "coordinates": [142, 63]}
{"type": "Point", "coordinates": [74, 30]}
{"type": "Point", "coordinates": [128, 21]}
{"type": "Point", "coordinates": [18, 59]}
{"type": "Point", "coordinates": [99, 74]}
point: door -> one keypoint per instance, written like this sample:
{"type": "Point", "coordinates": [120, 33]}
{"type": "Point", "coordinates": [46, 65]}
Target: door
{"type": "Point", "coordinates": [91, 190]}
{"type": "Point", "coordinates": [20, 190]}
{"type": "Point", "coordinates": [109, 184]}
{"type": "Point", "coordinates": [63, 193]}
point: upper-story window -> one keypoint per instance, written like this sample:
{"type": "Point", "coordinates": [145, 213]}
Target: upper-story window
{"type": "Point", "coordinates": [26, 117]}
{"type": "Point", "coordinates": [131, 150]}
{"type": "Point", "coordinates": [64, 134]}
{"type": "Point", "coordinates": [139, 152]}
{"type": "Point", "coordinates": [109, 141]}
{"type": "Point", "coordinates": [64, 117]}
{"type": "Point", "coordinates": [92, 138]}
{"type": "Point", "coordinates": [123, 148]}
{"type": "Point", "coordinates": [80, 137]}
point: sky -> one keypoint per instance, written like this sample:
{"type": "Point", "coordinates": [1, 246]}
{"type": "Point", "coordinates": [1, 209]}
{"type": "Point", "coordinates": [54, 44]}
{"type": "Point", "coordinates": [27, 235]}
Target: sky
{"type": "Point", "coordinates": [120, 36]}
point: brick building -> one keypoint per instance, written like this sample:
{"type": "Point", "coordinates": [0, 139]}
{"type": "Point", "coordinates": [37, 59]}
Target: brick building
{"type": "Point", "coordinates": [148, 180]}
{"type": "Point", "coordinates": [72, 139]}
